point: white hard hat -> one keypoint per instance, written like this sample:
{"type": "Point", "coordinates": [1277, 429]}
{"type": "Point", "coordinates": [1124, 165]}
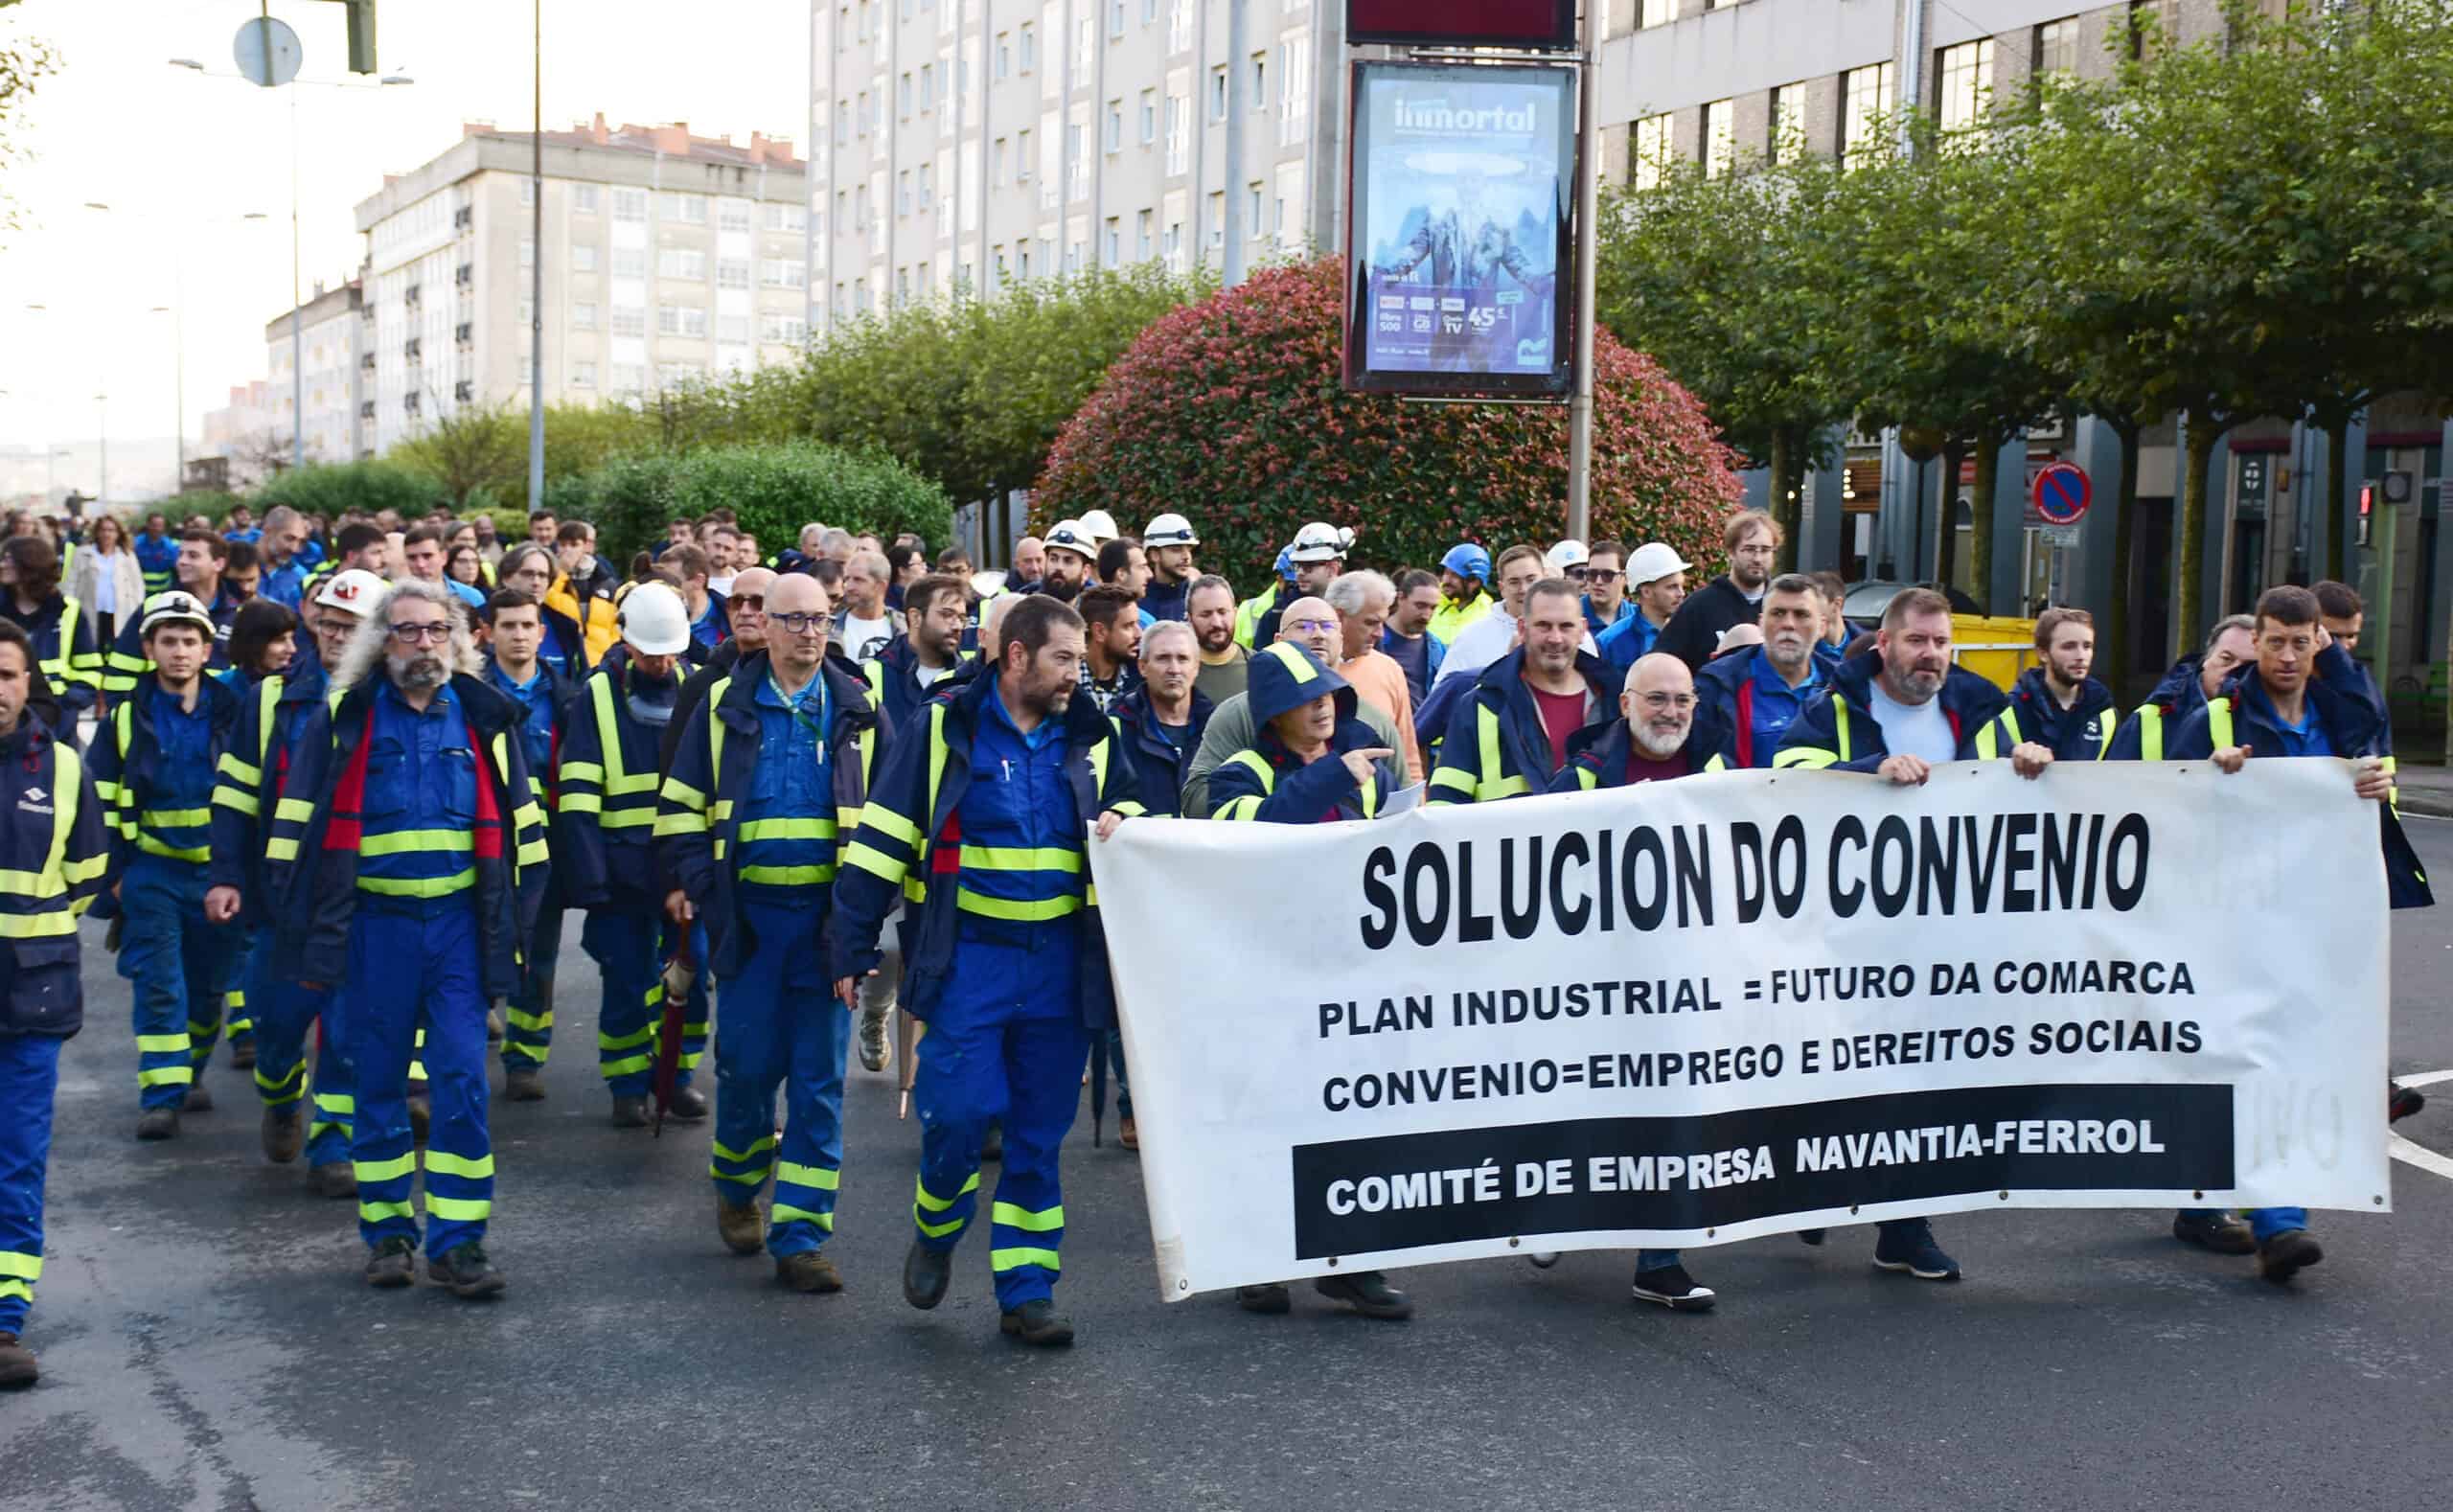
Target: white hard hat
{"type": "Point", "coordinates": [1654, 561]}
{"type": "Point", "coordinates": [174, 607]}
{"type": "Point", "coordinates": [1068, 535]}
{"type": "Point", "coordinates": [655, 621]}
{"type": "Point", "coordinates": [1320, 542]}
{"type": "Point", "coordinates": [1100, 526]}
{"type": "Point", "coordinates": [355, 591]}
{"type": "Point", "coordinates": [1565, 555]}
{"type": "Point", "coordinates": [1169, 530]}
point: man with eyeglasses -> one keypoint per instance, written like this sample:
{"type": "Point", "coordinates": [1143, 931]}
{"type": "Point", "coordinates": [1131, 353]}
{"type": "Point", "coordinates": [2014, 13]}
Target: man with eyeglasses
{"type": "Point", "coordinates": [1755, 691]}
{"type": "Point", "coordinates": [769, 771]}
{"type": "Point", "coordinates": [1693, 634]}
{"type": "Point", "coordinates": [407, 860]}
{"type": "Point", "coordinates": [603, 839]}
{"type": "Point", "coordinates": [1314, 625]}
{"type": "Point", "coordinates": [516, 668]}
{"type": "Point", "coordinates": [1510, 734]}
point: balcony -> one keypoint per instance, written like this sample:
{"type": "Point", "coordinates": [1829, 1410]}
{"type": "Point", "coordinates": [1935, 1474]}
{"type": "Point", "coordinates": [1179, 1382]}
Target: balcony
{"type": "Point", "coordinates": [413, 295]}
{"type": "Point", "coordinates": [465, 332]}
{"type": "Point", "coordinates": [464, 275]}
{"type": "Point", "coordinates": [366, 409]}
{"type": "Point", "coordinates": [464, 391]}
{"type": "Point", "coordinates": [412, 350]}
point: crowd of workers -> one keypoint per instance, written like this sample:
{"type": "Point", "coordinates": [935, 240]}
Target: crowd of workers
{"type": "Point", "coordinates": [338, 787]}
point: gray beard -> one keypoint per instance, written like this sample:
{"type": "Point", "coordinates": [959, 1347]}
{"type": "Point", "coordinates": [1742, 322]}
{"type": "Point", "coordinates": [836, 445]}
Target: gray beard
{"type": "Point", "coordinates": [420, 673]}
{"type": "Point", "coordinates": [1645, 741]}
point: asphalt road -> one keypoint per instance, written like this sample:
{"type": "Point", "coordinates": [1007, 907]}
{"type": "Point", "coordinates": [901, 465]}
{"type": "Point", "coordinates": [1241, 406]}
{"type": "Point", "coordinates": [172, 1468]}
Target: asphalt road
{"type": "Point", "coordinates": [206, 1342]}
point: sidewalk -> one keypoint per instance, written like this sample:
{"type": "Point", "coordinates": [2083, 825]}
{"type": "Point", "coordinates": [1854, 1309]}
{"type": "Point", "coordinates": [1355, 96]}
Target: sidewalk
{"type": "Point", "coordinates": [2427, 790]}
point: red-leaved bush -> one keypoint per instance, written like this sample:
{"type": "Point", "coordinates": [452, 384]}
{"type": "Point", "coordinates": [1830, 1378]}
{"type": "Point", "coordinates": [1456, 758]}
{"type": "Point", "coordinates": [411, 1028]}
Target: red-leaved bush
{"type": "Point", "coordinates": [1230, 411]}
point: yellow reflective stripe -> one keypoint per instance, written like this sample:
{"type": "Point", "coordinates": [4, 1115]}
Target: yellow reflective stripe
{"type": "Point", "coordinates": [1239, 810]}
{"type": "Point", "coordinates": [1032, 912]}
{"type": "Point", "coordinates": [625, 818]}
{"type": "Point", "coordinates": [459, 1209]}
{"type": "Point", "coordinates": [376, 1212]}
{"type": "Point", "coordinates": [18, 1264]}
{"type": "Point", "coordinates": [239, 771]}
{"type": "Point", "coordinates": [1988, 741]}
{"type": "Point", "coordinates": [582, 802]}
{"type": "Point", "coordinates": [1259, 768]}
{"type": "Point", "coordinates": [761, 1146]}
{"type": "Point", "coordinates": [877, 863]}
{"type": "Point", "coordinates": [1839, 727]}
{"type": "Point", "coordinates": [722, 812]}
{"type": "Point", "coordinates": [682, 794]}
{"type": "Point", "coordinates": [1486, 729]}
{"type": "Point", "coordinates": [787, 1213]}
{"type": "Point", "coordinates": [1294, 659]}
{"type": "Point", "coordinates": [532, 853]}
{"type": "Point", "coordinates": [281, 848]}
{"type": "Point", "coordinates": [625, 1042]}
{"type": "Point", "coordinates": [1017, 1258]}
{"type": "Point", "coordinates": [2218, 722]}
{"type": "Point", "coordinates": [787, 876]}
{"type": "Point", "coordinates": [885, 821]}
{"type": "Point", "coordinates": [86, 870]}
{"type": "Point", "coordinates": [757, 1177]}
{"type": "Point", "coordinates": [680, 823]}
{"type": "Point", "coordinates": [420, 887]}
{"type": "Point", "coordinates": [162, 1044]}
{"type": "Point", "coordinates": [936, 1204]}
{"type": "Point", "coordinates": [1037, 1223]}
{"type": "Point", "coordinates": [175, 818]}
{"type": "Point", "coordinates": [936, 1230]}
{"type": "Point", "coordinates": [151, 846]}
{"type": "Point", "coordinates": [166, 1076]}
{"type": "Point", "coordinates": [1455, 778]}
{"type": "Point", "coordinates": [297, 810]}
{"type": "Point", "coordinates": [398, 1166]}
{"type": "Point", "coordinates": [401, 841]}
{"type": "Point", "coordinates": [30, 884]}
{"type": "Point", "coordinates": [817, 1176]}
{"type": "Point", "coordinates": [242, 802]}
{"type": "Point", "coordinates": [521, 1018]}
{"type": "Point", "coordinates": [441, 1162]}
{"type": "Point", "coordinates": [1803, 756]}
{"type": "Point", "coordinates": [1022, 858]}
{"type": "Point", "coordinates": [582, 771]}
{"type": "Point", "coordinates": [786, 830]}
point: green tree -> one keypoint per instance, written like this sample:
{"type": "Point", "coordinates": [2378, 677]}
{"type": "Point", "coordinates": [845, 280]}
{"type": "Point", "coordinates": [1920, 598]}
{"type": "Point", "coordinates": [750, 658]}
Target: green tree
{"type": "Point", "coordinates": [774, 487]}
{"type": "Point", "coordinates": [24, 61]}
{"type": "Point", "coordinates": [367, 487]}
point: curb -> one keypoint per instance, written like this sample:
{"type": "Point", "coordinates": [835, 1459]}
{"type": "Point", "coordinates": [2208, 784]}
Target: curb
{"type": "Point", "coordinates": [2427, 804]}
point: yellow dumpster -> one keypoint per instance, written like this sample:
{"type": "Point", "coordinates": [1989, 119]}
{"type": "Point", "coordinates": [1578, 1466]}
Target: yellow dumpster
{"type": "Point", "coordinates": [1994, 647]}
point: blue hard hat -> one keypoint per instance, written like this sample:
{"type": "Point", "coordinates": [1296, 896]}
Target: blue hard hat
{"type": "Point", "coordinates": [1467, 561]}
{"type": "Point", "coordinates": [1286, 562]}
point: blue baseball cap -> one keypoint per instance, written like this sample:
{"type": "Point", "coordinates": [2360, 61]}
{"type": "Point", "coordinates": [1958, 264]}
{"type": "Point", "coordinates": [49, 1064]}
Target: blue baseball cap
{"type": "Point", "coordinates": [1467, 561]}
{"type": "Point", "coordinates": [1286, 562]}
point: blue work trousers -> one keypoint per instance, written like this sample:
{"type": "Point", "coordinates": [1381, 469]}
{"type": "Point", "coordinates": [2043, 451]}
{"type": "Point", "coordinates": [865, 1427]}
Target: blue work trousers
{"type": "Point", "coordinates": [780, 1023]}
{"type": "Point", "coordinates": [180, 965]}
{"type": "Point", "coordinates": [528, 1015]}
{"type": "Point", "coordinates": [1005, 1042]}
{"type": "Point", "coordinates": [412, 960]}
{"type": "Point", "coordinates": [29, 1074]}
{"type": "Point", "coordinates": [284, 1014]}
{"type": "Point", "coordinates": [628, 949]}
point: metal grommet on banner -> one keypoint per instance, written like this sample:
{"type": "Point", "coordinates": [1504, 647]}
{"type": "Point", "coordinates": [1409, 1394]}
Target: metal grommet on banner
{"type": "Point", "coordinates": [1183, 1286]}
{"type": "Point", "coordinates": [1514, 1242]}
{"type": "Point", "coordinates": [1853, 1209]}
{"type": "Point", "coordinates": [1333, 1262]}
{"type": "Point", "coordinates": [1708, 1232]}
{"type": "Point", "coordinates": [2378, 1199]}
{"type": "Point", "coordinates": [2200, 1196]}
{"type": "Point", "coordinates": [2006, 1196]}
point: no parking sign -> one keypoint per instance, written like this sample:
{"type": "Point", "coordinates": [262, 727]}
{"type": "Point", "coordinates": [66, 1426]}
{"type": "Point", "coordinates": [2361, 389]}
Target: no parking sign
{"type": "Point", "coordinates": [2062, 493]}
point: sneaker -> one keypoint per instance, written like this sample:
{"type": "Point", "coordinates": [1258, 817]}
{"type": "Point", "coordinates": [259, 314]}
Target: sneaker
{"type": "Point", "coordinates": [199, 1099]}
{"type": "Point", "coordinates": [1674, 1289]}
{"type": "Point", "coordinates": [394, 1262]}
{"type": "Point", "coordinates": [242, 1055]}
{"type": "Point", "coordinates": [1910, 1247]}
{"type": "Point", "coordinates": [993, 1148]}
{"type": "Point", "coordinates": [1036, 1322]}
{"type": "Point", "coordinates": [689, 1105]}
{"type": "Point", "coordinates": [285, 1134]}
{"type": "Point", "coordinates": [2224, 1233]}
{"type": "Point", "coordinates": [924, 1275]}
{"type": "Point", "coordinates": [158, 1123]}
{"type": "Point", "coordinates": [2286, 1255]}
{"type": "Point", "coordinates": [630, 1112]}
{"type": "Point", "coordinates": [467, 1271]}
{"type": "Point", "coordinates": [523, 1084]}
{"type": "Point", "coordinates": [1366, 1292]}
{"type": "Point", "coordinates": [873, 1045]}
{"type": "Point", "coordinates": [808, 1271]}
{"type": "Point", "coordinates": [1128, 1134]}
{"type": "Point", "coordinates": [2400, 1102]}
{"type": "Point", "coordinates": [741, 1225]}
{"type": "Point", "coordinates": [1269, 1296]}
{"type": "Point", "coordinates": [16, 1365]}
{"type": "Point", "coordinates": [338, 1179]}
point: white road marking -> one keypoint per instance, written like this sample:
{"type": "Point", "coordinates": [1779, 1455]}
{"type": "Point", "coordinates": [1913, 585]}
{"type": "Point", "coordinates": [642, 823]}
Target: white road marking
{"type": "Point", "coordinates": [2425, 1159]}
{"type": "Point", "coordinates": [2424, 1078]}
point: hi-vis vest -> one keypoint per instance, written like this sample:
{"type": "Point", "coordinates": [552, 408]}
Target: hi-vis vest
{"type": "Point", "coordinates": [1450, 785]}
{"type": "Point", "coordinates": [65, 667]}
{"type": "Point", "coordinates": [705, 812]}
{"type": "Point", "coordinates": [1989, 740]}
{"type": "Point", "coordinates": [621, 799]}
{"type": "Point", "coordinates": [1248, 805]}
{"type": "Point", "coordinates": [46, 904]}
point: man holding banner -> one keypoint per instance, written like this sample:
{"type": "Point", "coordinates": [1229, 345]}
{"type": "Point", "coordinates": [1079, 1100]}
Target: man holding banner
{"type": "Point", "coordinates": [1900, 714]}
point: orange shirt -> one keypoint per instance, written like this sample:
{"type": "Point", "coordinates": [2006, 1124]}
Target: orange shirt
{"type": "Point", "coordinates": [1377, 679]}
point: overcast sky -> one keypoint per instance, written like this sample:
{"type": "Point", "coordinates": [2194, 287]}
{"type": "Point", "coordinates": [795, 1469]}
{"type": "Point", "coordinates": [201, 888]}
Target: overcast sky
{"type": "Point", "coordinates": [180, 156]}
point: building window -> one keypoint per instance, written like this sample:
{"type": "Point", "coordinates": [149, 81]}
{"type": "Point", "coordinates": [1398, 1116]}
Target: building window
{"type": "Point", "coordinates": [1218, 93]}
{"type": "Point", "coordinates": [629, 204]}
{"type": "Point", "coordinates": [1030, 48]}
{"type": "Point", "coordinates": [1253, 226]}
{"type": "Point", "coordinates": [927, 86]}
{"type": "Point", "coordinates": [1115, 17]}
{"type": "Point", "coordinates": [781, 217]}
{"type": "Point", "coordinates": [583, 256]}
{"type": "Point", "coordinates": [1115, 125]}
{"type": "Point", "coordinates": [1786, 139]}
{"type": "Point", "coordinates": [903, 193]}
{"type": "Point", "coordinates": [1111, 243]}
{"type": "Point", "coordinates": [2056, 47]}
{"type": "Point", "coordinates": [735, 214]}
{"type": "Point", "coordinates": [1179, 27]}
{"type": "Point", "coordinates": [1148, 117]}
{"type": "Point", "coordinates": [691, 210]}
{"type": "Point", "coordinates": [1004, 55]}
{"type": "Point", "coordinates": [583, 315]}
{"type": "Point", "coordinates": [630, 262]}
{"type": "Point", "coordinates": [1179, 133]}
{"type": "Point", "coordinates": [683, 263]}
{"type": "Point", "coordinates": [584, 199]}
{"type": "Point", "coordinates": [1021, 158]}
{"type": "Point", "coordinates": [1141, 221]}
{"type": "Point", "coordinates": [1720, 139]}
{"type": "Point", "coordinates": [1294, 87]}
{"type": "Point", "coordinates": [996, 164]}
{"type": "Point", "coordinates": [785, 273]}
{"type": "Point", "coordinates": [1659, 13]}
{"type": "Point", "coordinates": [732, 272]}
{"type": "Point", "coordinates": [1867, 94]}
{"type": "Point", "coordinates": [527, 254]}
{"type": "Point", "coordinates": [789, 329]}
{"type": "Point", "coordinates": [928, 187]}
{"type": "Point", "coordinates": [903, 97]}
{"type": "Point", "coordinates": [1085, 33]}
{"type": "Point", "coordinates": [1260, 81]}
{"type": "Point", "coordinates": [582, 374]}
{"type": "Point", "coordinates": [1218, 218]}
{"type": "Point", "coordinates": [527, 193]}
{"type": "Point", "coordinates": [1650, 154]}
{"type": "Point", "coordinates": [630, 320]}
{"type": "Point", "coordinates": [1965, 75]}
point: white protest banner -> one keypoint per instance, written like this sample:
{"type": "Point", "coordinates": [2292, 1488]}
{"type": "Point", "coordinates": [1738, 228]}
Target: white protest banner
{"type": "Point", "coordinates": [1693, 1012]}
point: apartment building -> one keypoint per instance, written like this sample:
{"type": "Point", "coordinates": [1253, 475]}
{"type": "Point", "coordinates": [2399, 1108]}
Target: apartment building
{"type": "Point", "coordinates": [667, 257]}
{"type": "Point", "coordinates": [977, 142]}
{"type": "Point", "coordinates": [331, 333]}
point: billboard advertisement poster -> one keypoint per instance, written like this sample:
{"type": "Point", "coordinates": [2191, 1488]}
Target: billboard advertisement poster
{"type": "Point", "coordinates": [1460, 237]}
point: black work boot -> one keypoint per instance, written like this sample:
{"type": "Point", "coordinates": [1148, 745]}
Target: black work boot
{"type": "Point", "coordinates": [1269, 1296]}
{"type": "Point", "coordinates": [467, 1271]}
{"type": "Point", "coordinates": [523, 1084]}
{"type": "Point", "coordinates": [285, 1134]}
{"type": "Point", "coordinates": [689, 1105]}
{"type": "Point", "coordinates": [925, 1272]}
{"type": "Point", "coordinates": [16, 1365]}
{"type": "Point", "coordinates": [630, 1112]}
{"type": "Point", "coordinates": [1036, 1321]}
{"type": "Point", "coordinates": [1366, 1292]}
{"type": "Point", "coordinates": [199, 1099]}
{"type": "Point", "coordinates": [394, 1262]}
{"type": "Point", "coordinates": [158, 1123]}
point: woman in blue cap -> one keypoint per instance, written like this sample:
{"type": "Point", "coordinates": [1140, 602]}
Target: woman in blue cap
{"type": "Point", "coordinates": [1312, 760]}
